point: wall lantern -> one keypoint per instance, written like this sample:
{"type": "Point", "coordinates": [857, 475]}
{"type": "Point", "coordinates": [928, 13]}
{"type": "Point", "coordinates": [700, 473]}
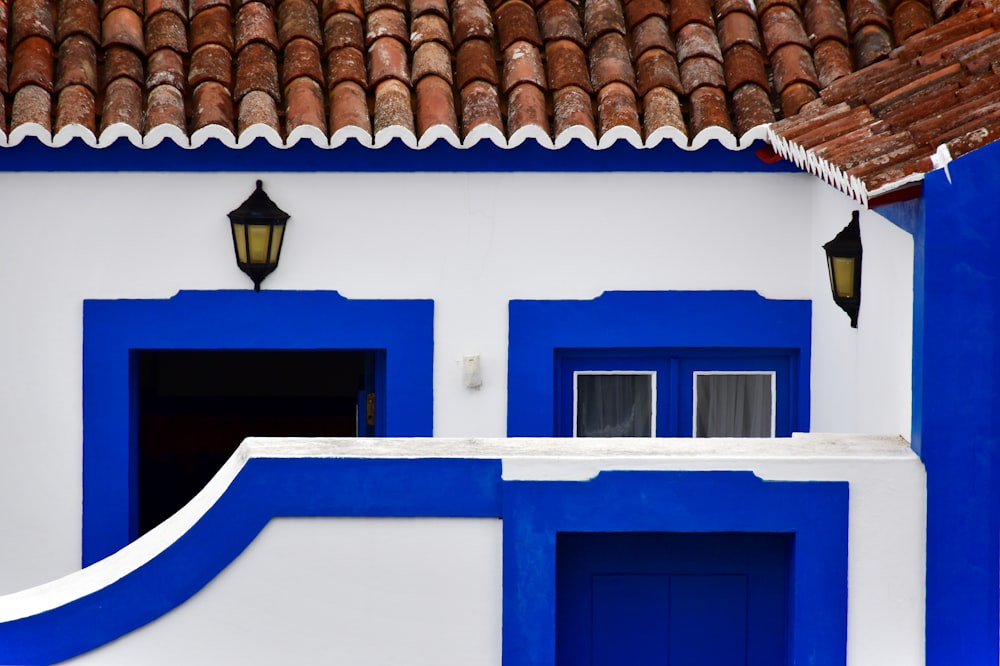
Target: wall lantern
{"type": "Point", "coordinates": [258, 229]}
{"type": "Point", "coordinates": [843, 258]}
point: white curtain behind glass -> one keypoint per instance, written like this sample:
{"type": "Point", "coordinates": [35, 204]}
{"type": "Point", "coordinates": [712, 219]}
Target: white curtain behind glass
{"type": "Point", "coordinates": [614, 405]}
{"type": "Point", "coordinates": [733, 405]}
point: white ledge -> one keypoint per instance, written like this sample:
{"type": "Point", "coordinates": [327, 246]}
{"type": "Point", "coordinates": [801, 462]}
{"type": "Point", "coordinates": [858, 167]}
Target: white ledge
{"type": "Point", "coordinates": [19, 133]}
{"type": "Point", "coordinates": [161, 133]}
{"type": "Point", "coordinates": [223, 135]}
{"type": "Point", "coordinates": [116, 131]}
{"type": "Point", "coordinates": [308, 133]}
{"type": "Point", "coordinates": [439, 132]}
{"type": "Point", "coordinates": [723, 136]}
{"type": "Point", "coordinates": [341, 136]}
{"type": "Point", "coordinates": [620, 133]}
{"type": "Point", "coordinates": [535, 132]}
{"type": "Point", "coordinates": [385, 135]}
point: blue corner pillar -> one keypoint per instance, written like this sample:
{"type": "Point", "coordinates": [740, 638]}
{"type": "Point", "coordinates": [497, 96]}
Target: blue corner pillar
{"type": "Point", "coordinates": [956, 394]}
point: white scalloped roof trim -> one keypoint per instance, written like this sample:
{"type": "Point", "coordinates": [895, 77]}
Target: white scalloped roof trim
{"type": "Point", "coordinates": [382, 138]}
{"type": "Point", "coordinates": [832, 174]}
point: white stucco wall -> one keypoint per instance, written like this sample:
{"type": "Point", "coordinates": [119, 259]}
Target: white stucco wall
{"type": "Point", "coordinates": [415, 591]}
{"type": "Point", "coordinates": [385, 591]}
{"type": "Point", "coordinates": [471, 242]}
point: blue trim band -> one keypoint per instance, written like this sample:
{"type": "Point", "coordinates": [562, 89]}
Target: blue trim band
{"type": "Point", "coordinates": [623, 320]}
{"type": "Point", "coordinates": [232, 320]}
{"type": "Point", "coordinates": [815, 512]}
{"type": "Point", "coordinates": [264, 488]}
{"type": "Point", "coordinates": [31, 155]}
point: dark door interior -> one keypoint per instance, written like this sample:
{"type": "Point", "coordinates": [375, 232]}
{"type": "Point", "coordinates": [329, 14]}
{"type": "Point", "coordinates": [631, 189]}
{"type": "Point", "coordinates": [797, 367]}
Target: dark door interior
{"type": "Point", "coordinates": [193, 409]}
{"type": "Point", "coordinates": [672, 599]}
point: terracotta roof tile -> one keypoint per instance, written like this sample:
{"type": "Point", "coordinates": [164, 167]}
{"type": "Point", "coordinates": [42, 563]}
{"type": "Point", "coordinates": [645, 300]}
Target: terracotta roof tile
{"type": "Point", "coordinates": [475, 61]}
{"type": "Point", "coordinates": [662, 108]}
{"type": "Point", "coordinates": [257, 108]}
{"type": "Point", "coordinates": [348, 107]}
{"type": "Point", "coordinates": [435, 104]}
{"type": "Point", "coordinates": [825, 20]}
{"type": "Point", "coordinates": [558, 19]}
{"type": "Point", "coordinates": [122, 27]}
{"type": "Point", "coordinates": [471, 19]}
{"type": "Point", "coordinates": [3, 75]}
{"type": "Point", "coordinates": [752, 107]}
{"type": "Point", "coordinates": [76, 106]}
{"type": "Point", "coordinates": [866, 12]}
{"type": "Point", "coordinates": [601, 17]}
{"type": "Point", "coordinates": [683, 12]}
{"type": "Point", "coordinates": [298, 19]}
{"type": "Point", "coordinates": [909, 18]}
{"type": "Point", "coordinates": [516, 22]}
{"type": "Point", "coordinates": [154, 7]}
{"type": "Point", "coordinates": [571, 107]}
{"type": "Point", "coordinates": [211, 63]}
{"type": "Point", "coordinates": [432, 58]}
{"type": "Point", "coordinates": [610, 62]}
{"type": "Point", "coordinates": [522, 63]}
{"type": "Point", "coordinates": [304, 104]}
{"type": "Point", "coordinates": [122, 103]}
{"type": "Point", "coordinates": [393, 106]}
{"type": "Point", "coordinates": [480, 105]}
{"type": "Point", "coordinates": [739, 28]}
{"type": "Point", "coordinates": [652, 33]}
{"type": "Point", "coordinates": [31, 18]}
{"type": "Point", "coordinates": [108, 6]}
{"type": "Point", "coordinates": [212, 26]}
{"type": "Point", "coordinates": [430, 28]}
{"type": "Point", "coordinates": [213, 105]}
{"type": "Point", "coordinates": [527, 107]}
{"type": "Point", "coordinates": [745, 64]}
{"type": "Point", "coordinates": [795, 96]}
{"type": "Point", "coordinates": [78, 17]}
{"type": "Point", "coordinates": [343, 30]}
{"type": "Point", "coordinates": [658, 69]}
{"type": "Point", "coordinates": [256, 71]}
{"type": "Point", "coordinates": [165, 67]}
{"type": "Point", "coordinates": [616, 107]}
{"type": "Point", "coordinates": [567, 65]}
{"type": "Point", "coordinates": [637, 11]}
{"type": "Point", "coordinates": [871, 43]}
{"type": "Point", "coordinates": [120, 61]}
{"type": "Point", "coordinates": [202, 5]}
{"type": "Point", "coordinates": [696, 40]}
{"type": "Point", "coordinates": [33, 64]}
{"type": "Point", "coordinates": [387, 59]}
{"type": "Point", "coordinates": [255, 23]}
{"type": "Point", "coordinates": [781, 26]}
{"type": "Point", "coordinates": [421, 7]}
{"type": "Point", "coordinates": [166, 30]}
{"type": "Point", "coordinates": [372, 5]}
{"type": "Point", "coordinates": [833, 60]}
{"type": "Point", "coordinates": [346, 65]}
{"type": "Point", "coordinates": [698, 72]}
{"type": "Point", "coordinates": [725, 7]}
{"type": "Point", "coordinates": [709, 109]}
{"type": "Point", "coordinates": [31, 105]}
{"type": "Point", "coordinates": [386, 23]}
{"type": "Point", "coordinates": [331, 7]}
{"type": "Point", "coordinates": [301, 58]}
{"type": "Point", "coordinates": [793, 64]}
{"type": "Point", "coordinates": [165, 106]}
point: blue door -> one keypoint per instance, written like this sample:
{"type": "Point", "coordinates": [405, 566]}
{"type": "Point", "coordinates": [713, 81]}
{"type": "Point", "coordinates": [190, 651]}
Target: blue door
{"type": "Point", "coordinates": [670, 599]}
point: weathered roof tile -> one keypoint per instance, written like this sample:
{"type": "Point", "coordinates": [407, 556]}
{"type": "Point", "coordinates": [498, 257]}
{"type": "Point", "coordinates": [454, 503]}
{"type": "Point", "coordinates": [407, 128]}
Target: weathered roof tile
{"type": "Point", "coordinates": [298, 19]}
{"type": "Point", "coordinates": [77, 64]}
{"type": "Point", "coordinates": [435, 104]}
{"type": "Point", "coordinates": [76, 105]}
{"type": "Point", "coordinates": [516, 22]}
{"type": "Point", "coordinates": [300, 58]}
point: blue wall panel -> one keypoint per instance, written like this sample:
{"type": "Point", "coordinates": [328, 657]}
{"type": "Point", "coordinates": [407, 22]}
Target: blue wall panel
{"type": "Point", "coordinates": [956, 398]}
{"type": "Point", "coordinates": [621, 320]}
{"type": "Point", "coordinates": [231, 320]}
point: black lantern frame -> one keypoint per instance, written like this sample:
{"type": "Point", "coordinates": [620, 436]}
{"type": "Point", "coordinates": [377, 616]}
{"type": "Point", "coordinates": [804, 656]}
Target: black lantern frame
{"type": "Point", "coordinates": [843, 260]}
{"type": "Point", "coordinates": [258, 231]}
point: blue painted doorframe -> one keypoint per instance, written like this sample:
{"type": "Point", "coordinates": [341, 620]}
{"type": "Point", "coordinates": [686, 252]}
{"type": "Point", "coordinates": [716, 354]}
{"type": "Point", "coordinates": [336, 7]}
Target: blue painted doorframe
{"type": "Point", "coordinates": [113, 329]}
{"type": "Point", "coordinates": [956, 405]}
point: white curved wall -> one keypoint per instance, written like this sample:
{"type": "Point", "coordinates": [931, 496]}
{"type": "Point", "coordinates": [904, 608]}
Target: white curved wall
{"type": "Point", "coordinates": [471, 242]}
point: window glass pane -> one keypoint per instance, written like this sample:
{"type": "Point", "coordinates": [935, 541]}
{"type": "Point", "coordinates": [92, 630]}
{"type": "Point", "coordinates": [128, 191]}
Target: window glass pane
{"type": "Point", "coordinates": [614, 405]}
{"type": "Point", "coordinates": [733, 405]}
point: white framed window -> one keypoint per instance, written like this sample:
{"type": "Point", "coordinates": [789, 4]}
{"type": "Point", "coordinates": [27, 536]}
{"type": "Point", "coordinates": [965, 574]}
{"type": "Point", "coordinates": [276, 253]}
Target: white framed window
{"type": "Point", "coordinates": [734, 403]}
{"type": "Point", "coordinates": [615, 403]}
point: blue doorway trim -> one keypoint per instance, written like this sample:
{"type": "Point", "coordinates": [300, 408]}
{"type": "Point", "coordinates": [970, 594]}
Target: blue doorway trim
{"type": "Point", "coordinates": [623, 320]}
{"type": "Point", "coordinates": [112, 329]}
{"type": "Point", "coordinates": [815, 514]}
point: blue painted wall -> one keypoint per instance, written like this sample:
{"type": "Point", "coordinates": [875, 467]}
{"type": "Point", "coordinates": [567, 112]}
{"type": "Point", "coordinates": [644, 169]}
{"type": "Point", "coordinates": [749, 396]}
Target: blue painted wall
{"type": "Point", "coordinates": [642, 320]}
{"type": "Point", "coordinates": [232, 320]}
{"type": "Point", "coordinates": [956, 409]}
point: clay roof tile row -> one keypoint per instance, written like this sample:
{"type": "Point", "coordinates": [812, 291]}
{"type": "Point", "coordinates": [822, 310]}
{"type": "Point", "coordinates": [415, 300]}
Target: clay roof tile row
{"type": "Point", "coordinates": [935, 97]}
{"type": "Point", "coordinates": [419, 70]}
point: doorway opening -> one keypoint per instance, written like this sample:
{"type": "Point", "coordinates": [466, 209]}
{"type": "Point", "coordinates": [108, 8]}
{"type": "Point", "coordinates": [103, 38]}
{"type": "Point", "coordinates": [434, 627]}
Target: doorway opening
{"type": "Point", "coordinates": [193, 408]}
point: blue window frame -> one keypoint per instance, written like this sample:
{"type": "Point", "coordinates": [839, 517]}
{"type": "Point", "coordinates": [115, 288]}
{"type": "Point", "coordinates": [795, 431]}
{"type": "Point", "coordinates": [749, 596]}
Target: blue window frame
{"type": "Point", "coordinates": [675, 333]}
{"type": "Point", "coordinates": [674, 372]}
